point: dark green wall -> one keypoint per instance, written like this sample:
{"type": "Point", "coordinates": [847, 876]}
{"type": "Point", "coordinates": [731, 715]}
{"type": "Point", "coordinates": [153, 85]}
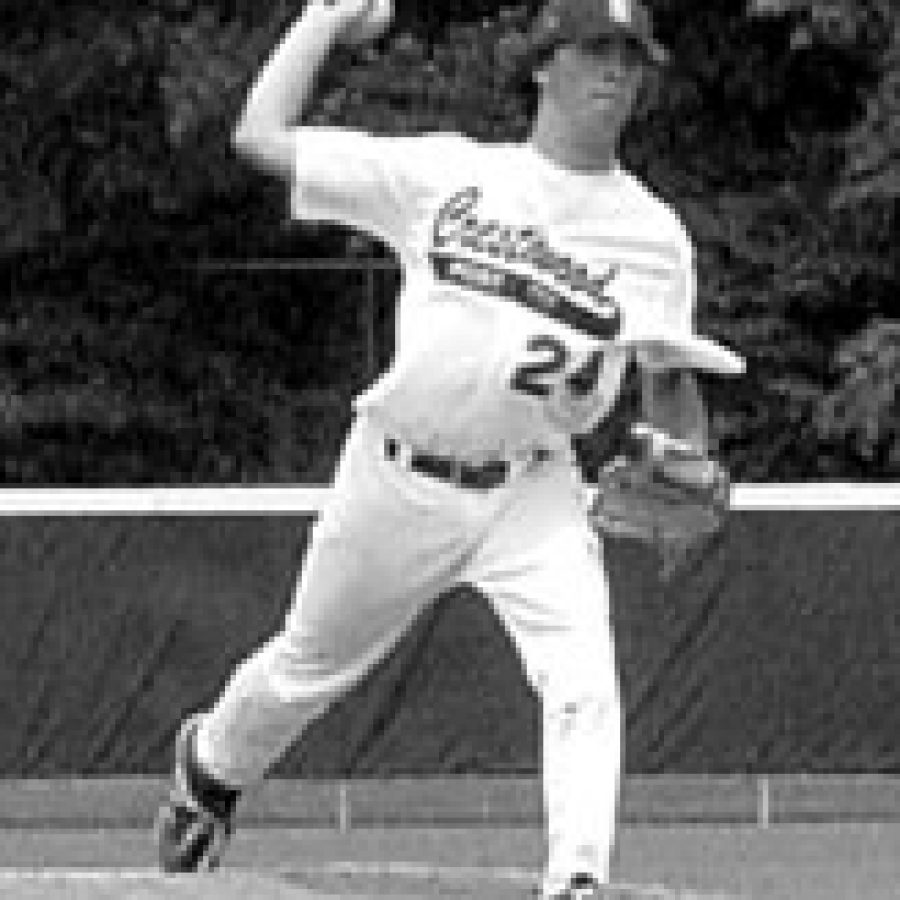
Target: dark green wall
{"type": "Point", "coordinates": [778, 651]}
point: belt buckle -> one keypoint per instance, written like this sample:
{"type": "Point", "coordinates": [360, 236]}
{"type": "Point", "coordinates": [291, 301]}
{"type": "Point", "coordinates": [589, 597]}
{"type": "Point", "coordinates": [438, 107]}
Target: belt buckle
{"type": "Point", "coordinates": [492, 474]}
{"type": "Point", "coordinates": [458, 470]}
{"type": "Point", "coordinates": [502, 472]}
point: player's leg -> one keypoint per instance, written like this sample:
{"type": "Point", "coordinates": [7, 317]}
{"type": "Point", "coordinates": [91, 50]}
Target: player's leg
{"type": "Point", "coordinates": [543, 572]}
{"type": "Point", "coordinates": [380, 553]}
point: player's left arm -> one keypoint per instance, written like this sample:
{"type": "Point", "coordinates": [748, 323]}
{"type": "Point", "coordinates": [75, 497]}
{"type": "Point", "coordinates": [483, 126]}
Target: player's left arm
{"type": "Point", "coordinates": [671, 399]}
{"type": "Point", "coordinates": [668, 489]}
{"type": "Point", "coordinates": [671, 402]}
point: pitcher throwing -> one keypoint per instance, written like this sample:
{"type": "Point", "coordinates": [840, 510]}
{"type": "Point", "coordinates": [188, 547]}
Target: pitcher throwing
{"type": "Point", "coordinates": [533, 272]}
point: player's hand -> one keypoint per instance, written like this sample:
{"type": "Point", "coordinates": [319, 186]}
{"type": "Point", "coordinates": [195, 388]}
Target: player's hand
{"type": "Point", "coordinates": [662, 492]}
{"type": "Point", "coordinates": [360, 21]}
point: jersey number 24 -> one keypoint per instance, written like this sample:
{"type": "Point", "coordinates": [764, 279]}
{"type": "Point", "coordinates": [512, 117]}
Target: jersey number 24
{"type": "Point", "coordinates": [548, 359]}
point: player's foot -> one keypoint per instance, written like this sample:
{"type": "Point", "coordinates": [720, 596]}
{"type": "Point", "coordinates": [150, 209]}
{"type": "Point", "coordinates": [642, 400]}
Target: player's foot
{"type": "Point", "coordinates": [194, 824]}
{"type": "Point", "coordinates": [581, 886]}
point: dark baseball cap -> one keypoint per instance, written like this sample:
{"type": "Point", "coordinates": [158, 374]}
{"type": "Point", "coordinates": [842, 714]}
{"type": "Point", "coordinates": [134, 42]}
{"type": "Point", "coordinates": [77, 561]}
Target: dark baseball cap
{"type": "Point", "coordinates": [579, 21]}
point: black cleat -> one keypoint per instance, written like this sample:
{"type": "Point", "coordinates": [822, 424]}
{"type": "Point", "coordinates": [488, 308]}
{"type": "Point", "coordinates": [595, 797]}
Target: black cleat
{"type": "Point", "coordinates": [195, 823]}
{"type": "Point", "coordinates": [580, 887]}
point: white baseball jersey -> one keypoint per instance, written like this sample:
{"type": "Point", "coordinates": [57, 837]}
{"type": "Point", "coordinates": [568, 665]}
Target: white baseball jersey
{"type": "Point", "coordinates": [515, 274]}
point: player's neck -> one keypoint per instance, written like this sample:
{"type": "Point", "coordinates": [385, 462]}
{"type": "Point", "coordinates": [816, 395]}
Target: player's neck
{"type": "Point", "coordinates": [569, 148]}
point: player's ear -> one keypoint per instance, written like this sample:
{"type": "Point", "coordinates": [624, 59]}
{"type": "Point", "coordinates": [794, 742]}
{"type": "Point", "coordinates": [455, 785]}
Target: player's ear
{"type": "Point", "coordinates": [540, 73]}
{"type": "Point", "coordinates": [649, 89]}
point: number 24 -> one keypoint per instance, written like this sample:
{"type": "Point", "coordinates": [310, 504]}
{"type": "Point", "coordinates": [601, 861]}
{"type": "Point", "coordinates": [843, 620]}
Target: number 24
{"type": "Point", "coordinates": [537, 377]}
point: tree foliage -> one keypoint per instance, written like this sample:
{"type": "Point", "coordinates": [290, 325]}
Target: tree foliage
{"type": "Point", "coordinates": [774, 133]}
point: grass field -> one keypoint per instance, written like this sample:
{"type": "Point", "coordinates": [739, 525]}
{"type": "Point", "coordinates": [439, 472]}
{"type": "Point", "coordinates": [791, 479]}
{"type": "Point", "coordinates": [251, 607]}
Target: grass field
{"type": "Point", "coordinates": [784, 862]}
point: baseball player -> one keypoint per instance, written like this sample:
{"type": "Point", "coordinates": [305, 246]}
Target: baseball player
{"type": "Point", "coordinates": [533, 272]}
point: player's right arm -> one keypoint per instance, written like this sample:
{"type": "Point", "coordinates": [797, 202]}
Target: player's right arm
{"type": "Point", "coordinates": [283, 89]}
{"type": "Point", "coordinates": [372, 183]}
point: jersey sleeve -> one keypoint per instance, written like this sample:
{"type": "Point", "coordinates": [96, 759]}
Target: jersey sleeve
{"type": "Point", "coordinates": [373, 183]}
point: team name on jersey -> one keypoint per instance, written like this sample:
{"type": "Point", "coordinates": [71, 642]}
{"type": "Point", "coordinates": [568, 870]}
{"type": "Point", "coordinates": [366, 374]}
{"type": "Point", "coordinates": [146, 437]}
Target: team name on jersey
{"type": "Point", "coordinates": [518, 264]}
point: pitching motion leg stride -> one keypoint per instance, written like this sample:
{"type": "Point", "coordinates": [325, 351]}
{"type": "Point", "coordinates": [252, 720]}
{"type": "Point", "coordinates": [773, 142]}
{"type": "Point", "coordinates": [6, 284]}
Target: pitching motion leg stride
{"type": "Point", "coordinates": [196, 822]}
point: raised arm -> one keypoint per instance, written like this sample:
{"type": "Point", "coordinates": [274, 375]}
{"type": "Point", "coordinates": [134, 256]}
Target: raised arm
{"type": "Point", "coordinates": [282, 91]}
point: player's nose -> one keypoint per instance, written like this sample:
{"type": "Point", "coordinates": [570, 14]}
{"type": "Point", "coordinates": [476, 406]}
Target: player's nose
{"type": "Point", "coordinates": [611, 72]}
{"type": "Point", "coordinates": [609, 81]}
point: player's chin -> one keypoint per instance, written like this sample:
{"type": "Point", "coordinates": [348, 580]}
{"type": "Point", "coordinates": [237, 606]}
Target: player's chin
{"type": "Point", "coordinates": [601, 113]}
{"type": "Point", "coordinates": [600, 120]}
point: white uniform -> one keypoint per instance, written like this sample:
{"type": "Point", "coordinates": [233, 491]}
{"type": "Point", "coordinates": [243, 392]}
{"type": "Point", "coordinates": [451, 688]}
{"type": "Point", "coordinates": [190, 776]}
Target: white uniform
{"type": "Point", "coordinates": [517, 275]}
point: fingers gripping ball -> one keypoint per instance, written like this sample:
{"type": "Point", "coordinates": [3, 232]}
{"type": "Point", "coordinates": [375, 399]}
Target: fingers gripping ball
{"type": "Point", "coordinates": [664, 493]}
{"type": "Point", "coordinates": [364, 20]}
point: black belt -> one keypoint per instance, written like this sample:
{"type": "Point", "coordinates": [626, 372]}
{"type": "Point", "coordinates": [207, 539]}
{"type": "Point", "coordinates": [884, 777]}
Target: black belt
{"type": "Point", "coordinates": [484, 477]}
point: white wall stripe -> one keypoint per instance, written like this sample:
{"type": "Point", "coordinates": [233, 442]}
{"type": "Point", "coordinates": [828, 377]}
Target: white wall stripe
{"type": "Point", "coordinates": [817, 496]}
{"type": "Point", "coordinates": [278, 500]}
{"type": "Point", "coordinates": [268, 500]}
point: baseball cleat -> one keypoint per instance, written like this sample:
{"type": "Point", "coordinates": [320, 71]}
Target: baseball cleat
{"type": "Point", "coordinates": [195, 823]}
{"type": "Point", "coordinates": [580, 887]}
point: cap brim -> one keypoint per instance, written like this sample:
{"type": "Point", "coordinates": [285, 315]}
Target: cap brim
{"type": "Point", "coordinates": [691, 352]}
{"type": "Point", "coordinates": [656, 54]}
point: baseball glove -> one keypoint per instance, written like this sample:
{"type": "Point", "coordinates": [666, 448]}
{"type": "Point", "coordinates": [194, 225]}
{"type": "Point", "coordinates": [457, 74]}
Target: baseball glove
{"type": "Point", "coordinates": [662, 492]}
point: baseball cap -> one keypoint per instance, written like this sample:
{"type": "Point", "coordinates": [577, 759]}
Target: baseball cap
{"type": "Point", "coordinates": [578, 21]}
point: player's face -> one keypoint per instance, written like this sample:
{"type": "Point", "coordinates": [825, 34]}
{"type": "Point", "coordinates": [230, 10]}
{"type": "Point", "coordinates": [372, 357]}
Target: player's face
{"type": "Point", "coordinates": [595, 84]}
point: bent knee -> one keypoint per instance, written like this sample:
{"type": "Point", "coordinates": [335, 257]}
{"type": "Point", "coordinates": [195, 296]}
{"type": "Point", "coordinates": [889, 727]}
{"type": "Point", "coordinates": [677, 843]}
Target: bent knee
{"type": "Point", "coordinates": [597, 691]}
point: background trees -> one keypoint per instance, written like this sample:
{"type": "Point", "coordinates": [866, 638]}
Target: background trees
{"type": "Point", "coordinates": [774, 133]}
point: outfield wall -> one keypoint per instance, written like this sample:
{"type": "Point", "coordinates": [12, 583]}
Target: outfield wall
{"type": "Point", "coordinates": [777, 652]}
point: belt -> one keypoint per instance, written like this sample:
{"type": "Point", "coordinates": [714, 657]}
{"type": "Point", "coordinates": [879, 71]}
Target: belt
{"type": "Point", "coordinates": [485, 477]}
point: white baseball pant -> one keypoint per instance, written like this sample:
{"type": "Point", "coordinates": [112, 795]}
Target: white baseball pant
{"type": "Point", "coordinates": [390, 541]}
